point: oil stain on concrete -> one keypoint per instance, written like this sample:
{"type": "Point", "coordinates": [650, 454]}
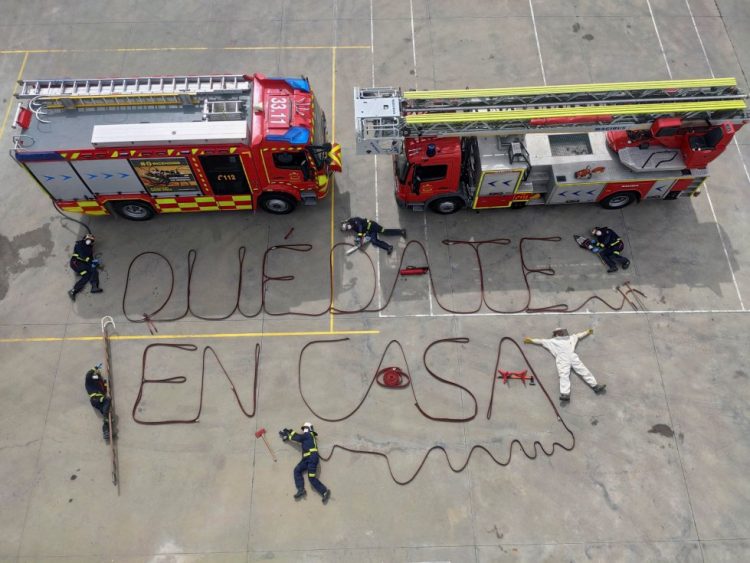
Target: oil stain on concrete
{"type": "Point", "coordinates": [662, 429]}
{"type": "Point", "coordinates": [27, 250]}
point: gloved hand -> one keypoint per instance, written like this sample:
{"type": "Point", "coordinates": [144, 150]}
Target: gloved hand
{"type": "Point", "coordinates": [284, 434]}
{"type": "Point", "coordinates": [590, 331]}
{"type": "Point", "coordinates": [95, 262]}
{"type": "Point", "coordinates": [527, 340]}
{"type": "Point", "coordinates": [596, 249]}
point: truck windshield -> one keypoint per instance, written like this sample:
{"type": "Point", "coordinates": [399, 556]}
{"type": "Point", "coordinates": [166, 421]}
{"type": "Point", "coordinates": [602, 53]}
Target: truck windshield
{"type": "Point", "coordinates": [319, 136]}
{"type": "Point", "coordinates": [402, 167]}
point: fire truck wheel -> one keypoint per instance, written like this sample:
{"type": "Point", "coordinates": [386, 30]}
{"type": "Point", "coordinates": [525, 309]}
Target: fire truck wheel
{"type": "Point", "coordinates": [134, 210]}
{"type": "Point", "coordinates": [619, 200]}
{"type": "Point", "coordinates": [276, 203]}
{"type": "Point", "coordinates": [447, 205]}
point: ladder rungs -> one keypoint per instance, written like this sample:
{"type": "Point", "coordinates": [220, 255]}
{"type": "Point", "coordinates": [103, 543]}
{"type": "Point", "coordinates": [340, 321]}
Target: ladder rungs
{"type": "Point", "coordinates": [572, 88]}
{"type": "Point", "coordinates": [526, 114]}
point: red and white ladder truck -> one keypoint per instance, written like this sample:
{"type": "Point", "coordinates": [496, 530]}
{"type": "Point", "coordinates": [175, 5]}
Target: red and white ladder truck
{"type": "Point", "coordinates": [610, 143]}
{"type": "Point", "coordinates": [166, 144]}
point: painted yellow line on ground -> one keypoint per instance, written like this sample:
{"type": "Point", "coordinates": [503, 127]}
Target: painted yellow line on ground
{"type": "Point", "coordinates": [158, 49]}
{"type": "Point", "coordinates": [10, 101]}
{"type": "Point", "coordinates": [333, 185]}
{"type": "Point", "coordinates": [193, 336]}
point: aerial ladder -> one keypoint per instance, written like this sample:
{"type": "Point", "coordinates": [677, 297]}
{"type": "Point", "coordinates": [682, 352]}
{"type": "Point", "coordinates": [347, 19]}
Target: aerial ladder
{"type": "Point", "coordinates": [648, 128]}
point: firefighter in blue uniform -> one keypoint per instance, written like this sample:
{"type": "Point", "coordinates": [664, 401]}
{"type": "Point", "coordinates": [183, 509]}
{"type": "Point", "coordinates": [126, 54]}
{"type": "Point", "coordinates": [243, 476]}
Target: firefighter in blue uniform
{"type": "Point", "coordinates": [310, 461]}
{"type": "Point", "coordinates": [366, 228]}
{"type": "Point", "coordinates": [609, 245]}
{"type": "Point", "coordinates": [83, 263]}
{"type": "Point", "coordinates": [96, 387]}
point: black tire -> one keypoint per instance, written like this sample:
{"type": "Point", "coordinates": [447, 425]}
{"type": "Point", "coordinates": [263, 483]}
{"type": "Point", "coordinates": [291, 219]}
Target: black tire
{"type": "Point", "coordinates": [134, 210]}
{"type": "Point", "coordinates": [619, 200]}
{"type": "Point", "coordinates": [277, 203]}
{"type": "Point", "coordinates": [446, 205]}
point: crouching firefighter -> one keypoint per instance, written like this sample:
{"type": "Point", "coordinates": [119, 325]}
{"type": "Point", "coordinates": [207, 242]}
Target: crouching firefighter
{"type": "Point", "coordinates": [83, 263]}
{"type": "Point", "coordinates": [96, 387]}
{"type": "Point", "coordinates": [367, 229]}
{"type": "Point", "coordinates": [310, 461]}
{"type": "Point", "coordinates": [609, 246]}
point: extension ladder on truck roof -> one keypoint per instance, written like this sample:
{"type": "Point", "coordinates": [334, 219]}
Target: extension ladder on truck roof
{"type": "Point", "coordinates": [386, 116]}
{"type": "Point", "coordinates": [146, 90]}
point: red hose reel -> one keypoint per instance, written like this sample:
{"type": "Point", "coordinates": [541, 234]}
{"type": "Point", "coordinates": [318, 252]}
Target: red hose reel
{"type": "Point", "coordinates": [393, 377]}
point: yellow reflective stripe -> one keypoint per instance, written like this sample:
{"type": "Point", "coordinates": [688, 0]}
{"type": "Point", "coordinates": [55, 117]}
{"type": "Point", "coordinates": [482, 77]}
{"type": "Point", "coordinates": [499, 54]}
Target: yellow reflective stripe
{"type": "Point", "coordinates": [311, 474]}
{"type": "Point", "coordinates": [242, 198]}
{"type": "Point", "coordinates": [204, 199]}
{"type": "Point", "coordinates": [92, 395]}
{"type": "Point", "coordinates": [95, 212]}
{"type": "Point", "coordinates": [570, 88]}
{"type": "Point", "coordinates": [527, 114]}
{"type": "Point", "coordinates": [171, 210]}
{"type": "Point", "coordinates": [89, 204]}
{"type": "Point", "coordinates": [166, 200]}
{"type": "Point", "coordinates": [225, 204]}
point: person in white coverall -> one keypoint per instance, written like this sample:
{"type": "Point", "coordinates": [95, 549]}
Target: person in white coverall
{"type": "Point", "coordinates": [562, 346]}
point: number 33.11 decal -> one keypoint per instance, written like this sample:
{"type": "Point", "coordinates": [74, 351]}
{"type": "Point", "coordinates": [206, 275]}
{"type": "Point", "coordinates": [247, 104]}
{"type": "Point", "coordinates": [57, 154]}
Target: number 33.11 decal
{"type": "Point", "coordinates": [279, 111]}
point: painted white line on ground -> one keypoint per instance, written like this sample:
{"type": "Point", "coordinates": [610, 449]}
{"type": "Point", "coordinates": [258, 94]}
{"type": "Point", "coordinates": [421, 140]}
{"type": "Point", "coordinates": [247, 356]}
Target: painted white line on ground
{"type": "Point", "coordinates": [723, 245]}
{"type": "Point", "coordinates": [375, 158]}
{"type": "Point", "coordinates": [413, 44]}
{"type": "Point", "coordinates": [742, 160]}
{"type": "Point", "coordinates": [538, 47]}
{"type": "Point", "coordinates": [658, 37]}
{"type": "Point", "coordinates": [416, 85]}
{"type": "Point", "coordinates": [703, 47]}
{"type": "Point", "coordinates": [534, 314]}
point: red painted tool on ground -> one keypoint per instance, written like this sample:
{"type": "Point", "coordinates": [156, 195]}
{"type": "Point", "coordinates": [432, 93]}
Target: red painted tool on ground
{"type": "Point", "coordinates": [414, 271]}
{"type": "Point", "coordinates": [506, 375]}
{"type": "Point", "coordinates": [262, 434]}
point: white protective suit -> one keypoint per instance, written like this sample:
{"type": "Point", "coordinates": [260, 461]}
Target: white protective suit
{"type": "Point", "coordinates": [563, 349]}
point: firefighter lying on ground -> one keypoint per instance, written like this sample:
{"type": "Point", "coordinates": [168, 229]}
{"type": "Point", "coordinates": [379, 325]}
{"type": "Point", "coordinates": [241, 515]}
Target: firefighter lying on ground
{"type": "Point", "coordinates": [96, 387]}
{"type": "Point", "coordinates": [365, 228]}
{"type": "Point", "coordinates": [609, 246]}
{"type": "Point", "coordinates": [310, 460]}
{"type": "Point", "coordinates": [562, 346]}
{"type": "Point", "coordinates": [83, 263]}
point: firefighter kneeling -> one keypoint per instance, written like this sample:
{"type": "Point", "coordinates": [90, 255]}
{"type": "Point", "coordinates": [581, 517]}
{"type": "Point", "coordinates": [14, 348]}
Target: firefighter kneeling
{"type": "Point", "coordinates": [97, 389]}
{"type": "Point", "coordinates": [310, 460]}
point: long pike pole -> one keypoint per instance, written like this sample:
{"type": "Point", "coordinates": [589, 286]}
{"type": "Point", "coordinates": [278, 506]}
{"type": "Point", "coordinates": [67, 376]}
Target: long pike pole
{"type": "Point", "coordinates": [106, 321]}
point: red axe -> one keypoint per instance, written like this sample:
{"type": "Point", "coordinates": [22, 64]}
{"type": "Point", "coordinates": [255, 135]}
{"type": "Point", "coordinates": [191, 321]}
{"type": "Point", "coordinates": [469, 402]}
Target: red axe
{"type": "Point", "coordinates": [262, 434]}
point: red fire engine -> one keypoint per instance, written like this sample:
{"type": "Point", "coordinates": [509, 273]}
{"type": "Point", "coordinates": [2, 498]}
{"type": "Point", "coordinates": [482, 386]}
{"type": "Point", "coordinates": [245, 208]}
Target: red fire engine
{"type": "Point", "coordinates": [610, 143]}
{"type": "Point", "coordinates": [148, 145]}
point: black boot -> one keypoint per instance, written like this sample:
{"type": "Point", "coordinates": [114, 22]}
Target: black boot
{"type": "Point", "coordinates": [612, 269]}
{"type": "Point", "coordinates": [326, 496]}
{"type": "Point", "coordinates": [105, 432]}
{"type": "Point", "coordinates": [300, 494]}
{"type": "Point", "coordinates": [72, 294]}
{"type": "Point", "coordinates": [565, 397]}
{"type": "Point", "coordinates": [403, 233]}
{"type": "Point", "coordinates": [96, 289]}
{"type": "Point", "coordinates": [389, 250]}
{"type": "Point", "coordinates": [599, 388]}
{"type": "Point", "coordinates": [626, 265]}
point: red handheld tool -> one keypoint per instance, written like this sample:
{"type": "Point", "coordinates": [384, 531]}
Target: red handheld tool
{"type": "Point", "coordinates": [262, 434]}
{"type": "Point", "coordinates": [506, 375]}
{"type": "Point", "coordinates": [414, 271]}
